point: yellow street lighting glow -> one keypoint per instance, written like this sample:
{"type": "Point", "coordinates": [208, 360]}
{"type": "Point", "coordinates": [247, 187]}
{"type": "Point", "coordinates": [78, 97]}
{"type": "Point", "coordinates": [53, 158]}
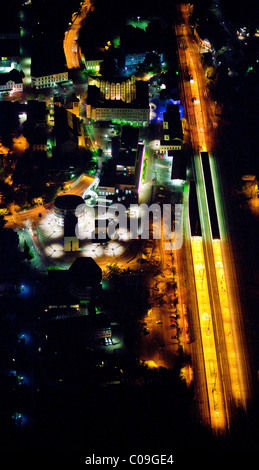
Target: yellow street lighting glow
{"type": "Point", "coordinates": [226, 320]}
{"type": "Point", "coordinates": [208, 341]}
{"type": "Point", "coordinates": [151, 364]}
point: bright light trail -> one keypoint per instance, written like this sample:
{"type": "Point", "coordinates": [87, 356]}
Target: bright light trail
{"type": "Point", "coordinates": [71, 47]}
{"type": "Point", "coordinates": [201, 135]}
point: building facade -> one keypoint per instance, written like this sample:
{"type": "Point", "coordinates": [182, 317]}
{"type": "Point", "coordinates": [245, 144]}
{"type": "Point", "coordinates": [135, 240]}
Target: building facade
{"type": "Point", "coordinates": [50, 81]}
{"type": "Point", "coordinates": [68, 205]}
{"type": "Point", "coordinates": [11, 86]}
{"type": "Point", "coordinates": [11, 81]}
{"type": "Point", "coordinates": [93, 65]}
{"type": "Point", "coordinates": [120, 90]}
{"type": "Point", "coordinates": [139, 117]}
{"type": "Point", "coordinates": [125, 101]}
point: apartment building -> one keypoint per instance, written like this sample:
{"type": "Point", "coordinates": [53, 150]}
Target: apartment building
{"type": "Point", "coordinates": [50, 81]}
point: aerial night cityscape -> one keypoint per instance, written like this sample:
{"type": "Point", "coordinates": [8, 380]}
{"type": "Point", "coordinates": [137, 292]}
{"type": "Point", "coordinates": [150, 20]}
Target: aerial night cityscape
{"type": "Point", "coordinates": [129, 216]}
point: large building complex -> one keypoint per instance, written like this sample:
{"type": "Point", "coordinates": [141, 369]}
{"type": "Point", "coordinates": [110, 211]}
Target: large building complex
{"type": "Point", "coordinates": [50, 81]}
{"type": "Point", "coordinates": [122, 100]}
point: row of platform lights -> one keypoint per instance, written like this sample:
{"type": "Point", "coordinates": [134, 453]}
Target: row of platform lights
{"type": "Point", "coordinates": [201, 285]}
{"type": "Point", "coordinates": [211, 366]}
{"type": "Point", "coordinates": [207, 334]}
{"type": "Point", "coordinates": [224, 303]}
{"type": "Point", "coordinates": [197, 251]}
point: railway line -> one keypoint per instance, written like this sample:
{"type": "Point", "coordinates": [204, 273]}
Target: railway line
{"type": "Point", "coordinates": [219, 352]}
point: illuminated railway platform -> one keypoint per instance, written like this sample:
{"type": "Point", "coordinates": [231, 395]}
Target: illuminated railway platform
{"type": "Point", "coordinates": [223, 295]}
{"type": "Point", "coordinates": [215, 397]}
{"type": "Point", "coordinates": [218, 297]}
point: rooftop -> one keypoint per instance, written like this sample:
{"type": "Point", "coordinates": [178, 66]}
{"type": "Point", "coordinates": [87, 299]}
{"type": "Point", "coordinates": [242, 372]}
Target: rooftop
{"type": "Point", "coordinates": [85, 272]}
{"type": "Point", "coordinates": [68, 202]}
{"type": "Point", "coordinates": [58, 291]}
{"type": "Point", "coordinates": [126, 157]}
{"type": "Point", "coordinates": [110, 179]}
{"type": "Point", "coordinates": [13, 75]}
